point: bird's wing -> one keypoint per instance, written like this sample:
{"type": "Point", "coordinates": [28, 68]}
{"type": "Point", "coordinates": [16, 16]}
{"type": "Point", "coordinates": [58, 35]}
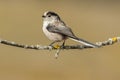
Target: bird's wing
{"type": "Point", "coordinates": [63, 30]}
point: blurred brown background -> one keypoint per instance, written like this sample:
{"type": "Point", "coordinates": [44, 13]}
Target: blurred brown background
{"type": "Point", "coordinates": [20, 21]}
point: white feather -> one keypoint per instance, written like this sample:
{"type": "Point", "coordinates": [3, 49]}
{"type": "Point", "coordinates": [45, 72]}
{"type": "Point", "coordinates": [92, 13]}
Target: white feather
{"type": "Point", "coordinates": [85, 43]}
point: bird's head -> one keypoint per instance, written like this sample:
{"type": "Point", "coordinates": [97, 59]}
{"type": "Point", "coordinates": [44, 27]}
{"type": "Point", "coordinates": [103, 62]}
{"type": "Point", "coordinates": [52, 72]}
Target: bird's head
{"type": "Point", "coordinates": [50, 16]}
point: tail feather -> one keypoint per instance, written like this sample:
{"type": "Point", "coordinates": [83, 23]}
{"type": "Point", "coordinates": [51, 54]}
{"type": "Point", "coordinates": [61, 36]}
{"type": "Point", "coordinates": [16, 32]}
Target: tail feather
{"type": "Point", "coordinates": [84, 42]}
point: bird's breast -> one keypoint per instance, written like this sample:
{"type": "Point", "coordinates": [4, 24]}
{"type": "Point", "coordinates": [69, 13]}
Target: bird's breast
{"type": "Point", "coordinates": [52, 36]}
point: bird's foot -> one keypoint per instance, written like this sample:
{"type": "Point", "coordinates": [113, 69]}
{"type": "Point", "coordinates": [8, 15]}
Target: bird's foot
{"type": "Point", "coordinates": [58, 47]}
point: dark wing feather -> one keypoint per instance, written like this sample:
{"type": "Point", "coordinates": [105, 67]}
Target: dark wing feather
{"type": "Point", "coordinates": [66, 31]}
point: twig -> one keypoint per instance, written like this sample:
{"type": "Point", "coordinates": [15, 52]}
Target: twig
{"type": "Point", "coordinates": [110, 41]}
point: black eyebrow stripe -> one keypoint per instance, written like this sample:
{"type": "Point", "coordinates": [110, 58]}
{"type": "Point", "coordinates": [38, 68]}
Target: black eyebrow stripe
{"type": "Point", "coordinates": [52, 13]}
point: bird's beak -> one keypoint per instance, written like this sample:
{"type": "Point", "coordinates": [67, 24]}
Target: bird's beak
{"type": "Point", "coordinates": [43, 16]}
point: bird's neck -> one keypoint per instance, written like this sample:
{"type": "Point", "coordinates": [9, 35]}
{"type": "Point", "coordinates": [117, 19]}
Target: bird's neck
{"type": "Point", "coordinates": [46, 23]}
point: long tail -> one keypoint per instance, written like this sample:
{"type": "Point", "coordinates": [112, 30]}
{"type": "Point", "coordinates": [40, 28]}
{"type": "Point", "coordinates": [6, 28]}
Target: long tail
{"type": "Point", "coordinates": [83, 41]}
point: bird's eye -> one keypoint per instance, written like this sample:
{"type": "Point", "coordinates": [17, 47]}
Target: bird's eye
{"type": "Point", "coordinates": [49, 15]}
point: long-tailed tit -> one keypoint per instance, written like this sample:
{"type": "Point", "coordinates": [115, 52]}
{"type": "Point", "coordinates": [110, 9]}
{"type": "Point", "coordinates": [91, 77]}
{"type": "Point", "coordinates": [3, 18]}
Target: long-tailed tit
{"type": "Point", "coordinates": [56, 30]}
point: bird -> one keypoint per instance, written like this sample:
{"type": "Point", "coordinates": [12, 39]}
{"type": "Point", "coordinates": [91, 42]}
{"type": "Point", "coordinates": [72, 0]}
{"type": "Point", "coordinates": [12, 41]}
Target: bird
{"type": "Point", "coordinates": [56, 30]}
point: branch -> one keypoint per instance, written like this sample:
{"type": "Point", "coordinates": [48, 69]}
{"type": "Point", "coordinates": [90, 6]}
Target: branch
{"type": "Point", "coordinates": [110, 41]}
